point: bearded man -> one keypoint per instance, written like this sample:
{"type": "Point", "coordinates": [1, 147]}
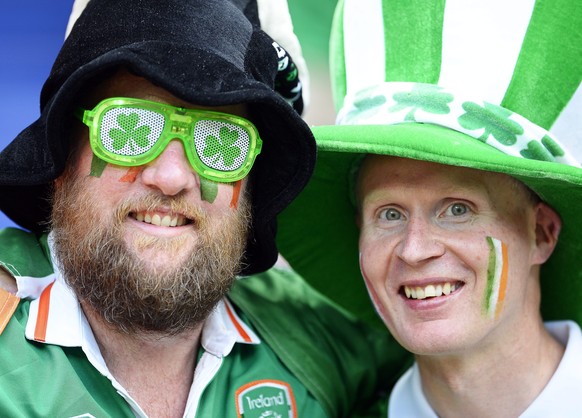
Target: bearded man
{"type": "Point", "coordinates": [150, 182]}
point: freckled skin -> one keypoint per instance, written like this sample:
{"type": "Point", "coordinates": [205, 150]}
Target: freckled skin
{"type": "Point", "coordinates": [373, 295]}
{"type": "Point", "coordinates": [411, 234]}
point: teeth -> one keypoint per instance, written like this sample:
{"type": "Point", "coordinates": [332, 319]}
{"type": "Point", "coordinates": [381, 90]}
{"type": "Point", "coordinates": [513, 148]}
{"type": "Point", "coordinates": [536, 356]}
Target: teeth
{"type": "Point", "coordinates": [430, 290]}
{"type": "Point", "coordinates": [447, 288]}
{"type": "Point", "coordinates": [156, 219]}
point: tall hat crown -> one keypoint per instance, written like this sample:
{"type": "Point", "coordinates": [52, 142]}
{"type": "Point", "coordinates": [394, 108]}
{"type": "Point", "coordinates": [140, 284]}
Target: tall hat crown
{"type": "Point", "coordinates": [505, 72]}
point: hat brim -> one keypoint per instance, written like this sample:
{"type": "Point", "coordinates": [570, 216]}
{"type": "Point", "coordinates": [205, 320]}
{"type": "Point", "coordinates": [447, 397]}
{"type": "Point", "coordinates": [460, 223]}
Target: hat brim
{"type": "Point", "coordinates": [318, 233]}
{"type": "Point", "coordinates": [37, 156]}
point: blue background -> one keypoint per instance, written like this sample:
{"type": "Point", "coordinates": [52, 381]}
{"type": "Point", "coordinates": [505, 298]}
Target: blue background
{"type": "Point", "coordinates": [31, 33]}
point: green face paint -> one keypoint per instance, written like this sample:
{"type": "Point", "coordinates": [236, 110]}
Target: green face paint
{"type": "Point", "coordinates": [97, 166]}
{"type": "Point", "coordinates": [208, 190]}
{"type": "Point", "coordinates": [496, 278]}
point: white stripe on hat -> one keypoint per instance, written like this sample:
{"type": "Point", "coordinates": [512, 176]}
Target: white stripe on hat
{"type": "Point", "coordinates": [363, 44]}
{"type": "Point", "coordinates": [276, 21]}
{"type": "Point", "coordinates": [566, 126]}
{"type": "Point", "coordinates": [481, 44]}
{"type": "Point", "coordinates": [78, 7]}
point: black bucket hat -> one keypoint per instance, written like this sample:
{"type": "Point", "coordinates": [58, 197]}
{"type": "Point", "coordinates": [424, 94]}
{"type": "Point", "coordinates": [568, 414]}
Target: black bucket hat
{"type": "Point", "coordinates": [207, 52]}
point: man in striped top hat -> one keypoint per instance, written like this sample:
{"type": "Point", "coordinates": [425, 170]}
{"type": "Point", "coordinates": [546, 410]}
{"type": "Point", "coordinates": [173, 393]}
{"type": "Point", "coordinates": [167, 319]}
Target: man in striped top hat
{"type": "Point", "coordinates": [467, 230]}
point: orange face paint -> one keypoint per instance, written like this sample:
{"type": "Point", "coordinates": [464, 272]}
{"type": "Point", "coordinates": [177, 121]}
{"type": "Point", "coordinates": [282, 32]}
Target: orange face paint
{"type": "Point", "coordinates": [131, 174]}
{"type": "Point", "coordinates": [496, 278]}
{"type": "Point", "coordinates": [237, 185]}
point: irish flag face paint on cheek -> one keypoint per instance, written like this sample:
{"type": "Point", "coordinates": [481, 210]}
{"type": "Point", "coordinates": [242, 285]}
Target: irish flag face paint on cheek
{"type": "Point", "coordinates": [496, 278]}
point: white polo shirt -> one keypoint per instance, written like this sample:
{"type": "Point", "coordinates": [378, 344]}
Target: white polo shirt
{"type": "Point", "coordinates": [560, 398]}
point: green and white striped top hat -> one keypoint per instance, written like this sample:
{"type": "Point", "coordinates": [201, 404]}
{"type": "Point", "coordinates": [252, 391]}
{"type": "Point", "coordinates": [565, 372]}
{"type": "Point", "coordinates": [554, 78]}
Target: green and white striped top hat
{"type": "Point", "coordinates": [492, 85]}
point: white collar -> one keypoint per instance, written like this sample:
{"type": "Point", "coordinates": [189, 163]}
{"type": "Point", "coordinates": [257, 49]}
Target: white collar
{"type": "Point", "coordinates": [559, 397]}
{"type": "Point", "coordinates": [61, 320]}
{"type": "Point", "coordinates": [56, 318]}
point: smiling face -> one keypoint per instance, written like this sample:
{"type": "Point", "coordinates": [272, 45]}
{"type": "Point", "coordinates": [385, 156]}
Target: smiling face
{"type": "Point", "coordinates": [450, 255]}
{"type": "Point", "coordinates": [145, 247]}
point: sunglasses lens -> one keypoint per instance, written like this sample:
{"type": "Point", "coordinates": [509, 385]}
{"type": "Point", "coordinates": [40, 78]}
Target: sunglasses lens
{"type": "Point", "coordinates": [221, 146]}
{"type": "Point", "coordinates": [129, 131]}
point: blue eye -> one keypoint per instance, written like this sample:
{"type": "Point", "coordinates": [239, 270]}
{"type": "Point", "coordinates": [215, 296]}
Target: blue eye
{"type": "Point", "coordinates": [457, 209]}
{"type": "Point", "coordinates": [391, 214]}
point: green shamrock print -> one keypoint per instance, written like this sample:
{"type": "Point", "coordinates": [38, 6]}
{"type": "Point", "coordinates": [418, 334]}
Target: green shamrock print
{"type": "Point", "coordinates": [428, 98]}
{"type": "Point", "coordinates": [365, 107]}
{"type": "Point", "coordinates": [494, 119]}
{"type": "Point", "coordinates": [222, 147]}
{"type": "Point", "coordinates": [546, 150]}
{"type": "Point", "coordinates": [129, 132]}
{"type": "Point", "coordinates": [552, 146]}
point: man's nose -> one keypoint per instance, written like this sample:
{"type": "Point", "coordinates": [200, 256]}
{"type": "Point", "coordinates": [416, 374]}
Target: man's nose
{"type": "Point", "coordinates": [170, 172]}
{"type": "Point", "coordinates": [420, 242]}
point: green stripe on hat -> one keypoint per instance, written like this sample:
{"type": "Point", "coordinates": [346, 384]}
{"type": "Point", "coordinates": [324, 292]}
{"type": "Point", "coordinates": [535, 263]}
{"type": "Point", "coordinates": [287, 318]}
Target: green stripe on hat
{"type": "Point", "coordinates": [413, 39]}
{"type": "Point", "coordinates": [549, 67]}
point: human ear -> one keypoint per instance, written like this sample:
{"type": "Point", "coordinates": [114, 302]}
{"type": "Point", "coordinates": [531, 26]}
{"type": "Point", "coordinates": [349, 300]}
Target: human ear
{"type": "Point", "coordinates": [548, 227]}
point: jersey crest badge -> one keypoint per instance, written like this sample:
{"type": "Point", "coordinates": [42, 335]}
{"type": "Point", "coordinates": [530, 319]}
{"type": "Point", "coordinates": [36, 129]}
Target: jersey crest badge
{"type": "Point", "coordinates": [266, 399]}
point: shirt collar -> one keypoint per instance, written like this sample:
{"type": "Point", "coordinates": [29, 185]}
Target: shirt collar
{"type": "Point", "coordinates": [57, 318]}
{"type": "Point", "coordinates": [407, 397]}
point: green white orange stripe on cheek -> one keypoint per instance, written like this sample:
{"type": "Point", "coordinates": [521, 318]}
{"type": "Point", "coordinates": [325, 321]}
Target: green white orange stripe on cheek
{"type": "Point", "coordinates": [496, 278]}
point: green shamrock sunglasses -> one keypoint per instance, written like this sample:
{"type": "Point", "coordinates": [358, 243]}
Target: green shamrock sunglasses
{"type": "Point", "coordinates": [132, 132]}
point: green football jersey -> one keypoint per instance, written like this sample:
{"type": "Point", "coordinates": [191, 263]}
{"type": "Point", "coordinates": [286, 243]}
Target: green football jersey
{"type": "Point", "coordinates": [292, 353]}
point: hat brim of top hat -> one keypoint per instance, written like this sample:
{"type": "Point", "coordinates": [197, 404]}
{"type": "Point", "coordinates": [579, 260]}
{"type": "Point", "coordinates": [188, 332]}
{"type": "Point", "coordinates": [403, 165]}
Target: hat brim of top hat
{"type": "Point", "coordinates": [318, 233]}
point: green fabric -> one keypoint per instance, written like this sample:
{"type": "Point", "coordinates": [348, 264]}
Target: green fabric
{"type": "Point", "coordinates": [328, 258]}
{"type": "Point", "coordinates": [32, 262]}
{"type": "Point", "coordinates": [549, 67]}
{"type": "Point", "coordinates": [413, 39]}
{"type": "Point", "coordinates": [41, 380]}
{"type": "Point", "coordinates": [337, 357]}
{"type": "Point", "coordinates": [323, 353]}
{"type": "Point", "coordinates": [246, 365]}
